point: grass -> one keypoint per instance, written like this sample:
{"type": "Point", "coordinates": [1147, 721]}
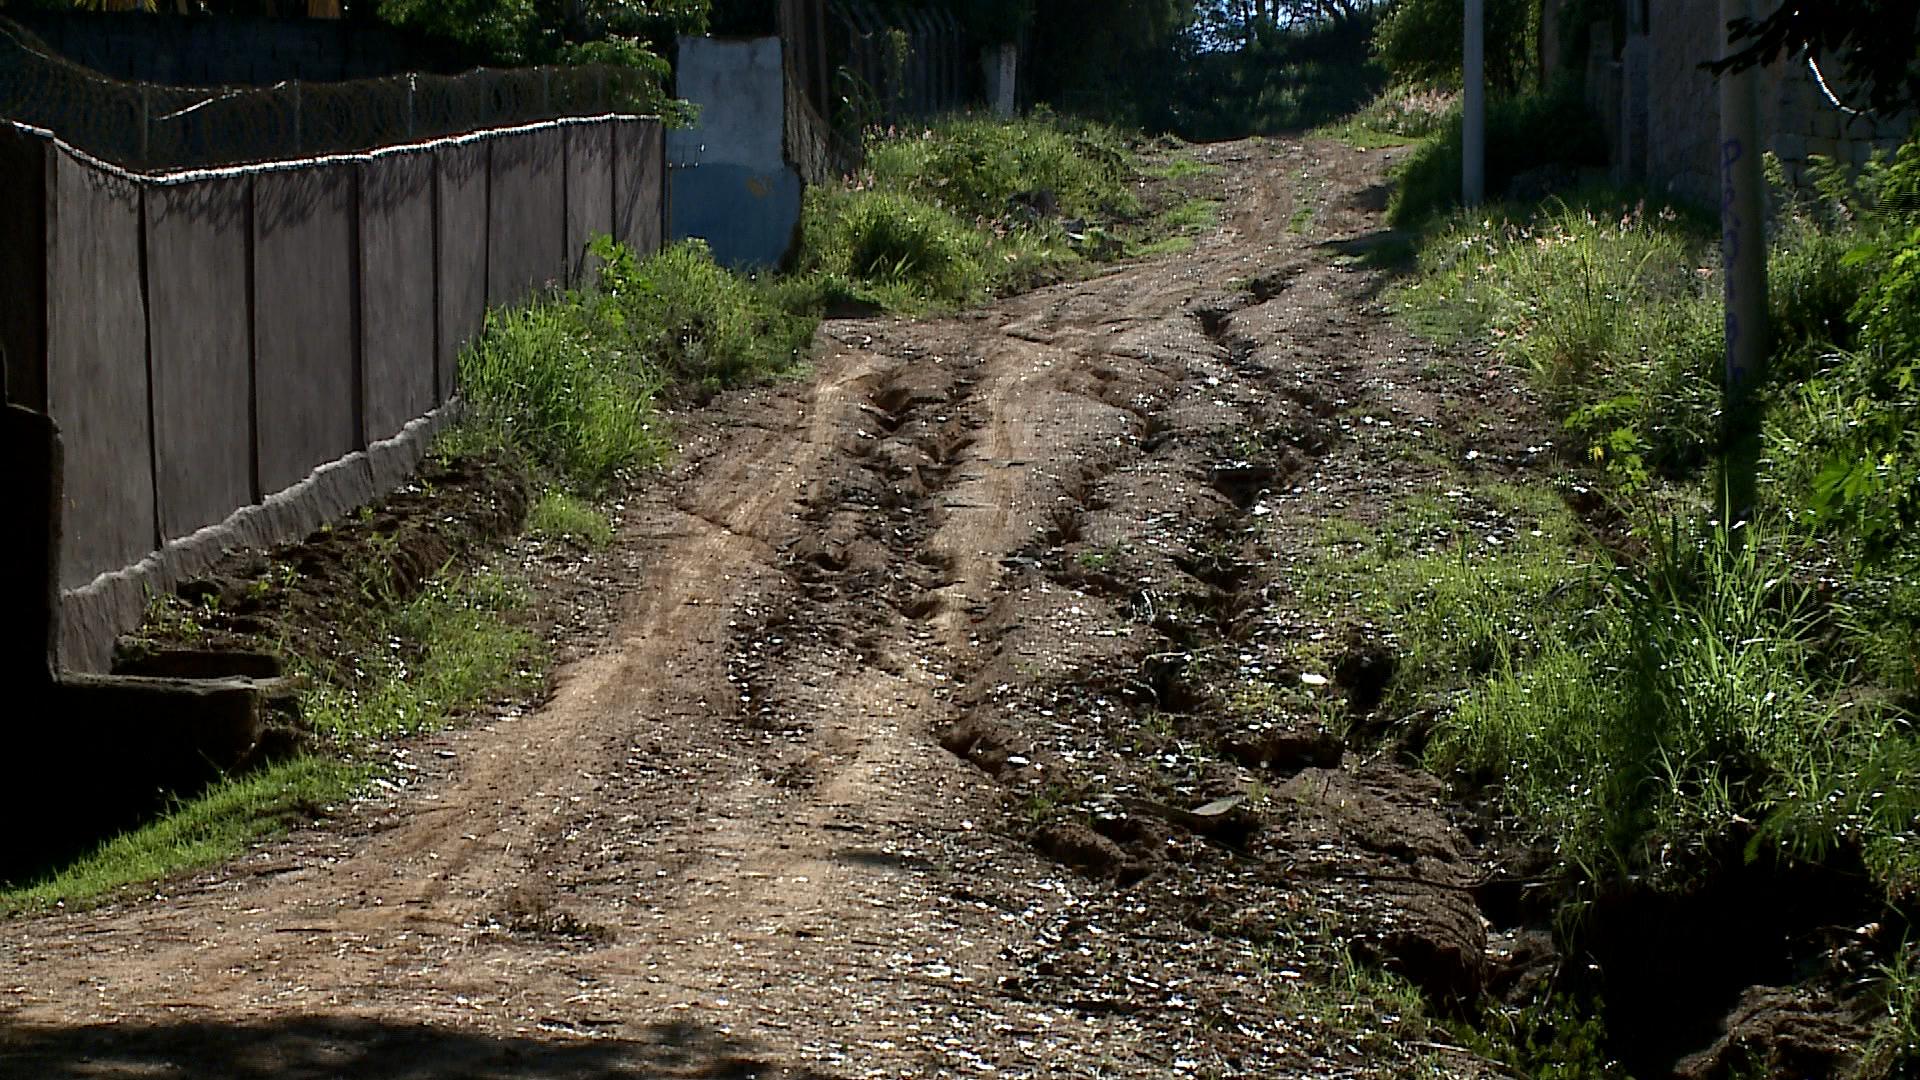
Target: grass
{"type": "Point", "coordinates": [430, 659]}
{"type": "Point", "coordinates": [1399, 116]}
{"type": "Point", "coordinates": [1611, 309]}
{"type": "Point", "coordinates": [557, 515]}
{"type": "Point", "coordinates": [423, 663]}
{"type": "Point", "coordinates": [968, 208]}
{"type": "Point", "coordinates": [1693, 698]}
{"type": "Point", "coordinates": [201, 832]}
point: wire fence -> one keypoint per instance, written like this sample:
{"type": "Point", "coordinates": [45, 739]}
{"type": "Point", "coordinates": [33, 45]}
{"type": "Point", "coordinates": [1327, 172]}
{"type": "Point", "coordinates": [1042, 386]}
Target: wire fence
{"type": "Point", "coordinates": [149, 127]}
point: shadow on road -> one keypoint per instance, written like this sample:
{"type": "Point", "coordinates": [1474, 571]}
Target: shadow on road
{"type": "Point", "coordinates": [316, 1047]}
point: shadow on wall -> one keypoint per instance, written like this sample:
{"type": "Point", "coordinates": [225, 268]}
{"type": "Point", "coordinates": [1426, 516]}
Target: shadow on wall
{"type": "Point", "coordinates": [317, 1046]}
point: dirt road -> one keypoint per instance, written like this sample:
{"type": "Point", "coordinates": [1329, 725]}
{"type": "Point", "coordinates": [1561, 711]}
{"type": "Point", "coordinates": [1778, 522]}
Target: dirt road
{"type": "Point", "coordinates": [734, 845]}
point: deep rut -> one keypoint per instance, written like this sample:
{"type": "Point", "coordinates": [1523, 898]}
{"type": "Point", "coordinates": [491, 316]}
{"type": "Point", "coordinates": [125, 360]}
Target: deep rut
{"type": "Point", "coordinates": [733, 844]}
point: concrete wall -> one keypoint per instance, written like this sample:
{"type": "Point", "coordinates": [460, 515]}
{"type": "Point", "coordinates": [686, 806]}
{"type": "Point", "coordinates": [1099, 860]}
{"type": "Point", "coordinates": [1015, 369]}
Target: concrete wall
{"type": "Point", "coordinates": [398, 316]}
{"type": "Point", "coordinates": [198, 238]}
{"type": "Point", "coordinates": [527, 214]}
{"type": "Point", "coordinates": [460, 215]}
{"type": "Point", "coordinates": [639, 184]}
{"type": "Point", "coordinates": [589, 163]}
{"type": "Point", "coordinates": [97, 388]}
{"type": "Point", "coordinates": [729, 182]}
{"type": "Point", "coordinates": [23, 261]}
{"type": "Point", "coordinates": [305, 327]}
{"type": "Point", "coordinates": [236, 356]}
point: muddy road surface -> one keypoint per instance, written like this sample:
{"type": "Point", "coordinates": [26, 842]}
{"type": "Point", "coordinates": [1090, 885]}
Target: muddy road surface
{"type": "Point", "coordinates": [874, 775]}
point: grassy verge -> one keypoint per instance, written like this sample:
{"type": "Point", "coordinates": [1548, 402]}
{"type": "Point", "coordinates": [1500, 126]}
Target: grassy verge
{"type": "Point", "coordinates": [1691, 702]}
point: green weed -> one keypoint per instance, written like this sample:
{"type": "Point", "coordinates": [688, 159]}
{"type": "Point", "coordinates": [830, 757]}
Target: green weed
{"type": "Point", "coordinates": [431, 658]}
{"type": "Point", "coordinates": [559, 516]}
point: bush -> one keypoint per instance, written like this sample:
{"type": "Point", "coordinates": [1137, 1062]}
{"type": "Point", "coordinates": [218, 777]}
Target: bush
{"type": "Point", "coordinates": [966, 207]}
{"type": "Point", "coordinates": [988, 170]}
{"type": "Point", "coordinates": [701, 326]}
{"type": "Point", "coordinates": [890, 248]}
{"type": "Point", "coordinates": [1552, 128]}
{"type": "Point", "coordinates": [539, 383]}
{"type": "Point", "coordinates": [570, 383]}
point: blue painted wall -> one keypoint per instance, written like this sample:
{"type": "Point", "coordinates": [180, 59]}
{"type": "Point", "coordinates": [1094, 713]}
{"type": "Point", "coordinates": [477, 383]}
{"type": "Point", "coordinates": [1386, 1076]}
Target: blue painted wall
{"type": "Point", "coordinates": [728, 180]}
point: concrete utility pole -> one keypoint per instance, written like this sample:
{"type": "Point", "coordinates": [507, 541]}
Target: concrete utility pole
{"type": "Point", "coordinates": [1473, 107]}
{"type": "Point", "coordinates": [1743, 257]}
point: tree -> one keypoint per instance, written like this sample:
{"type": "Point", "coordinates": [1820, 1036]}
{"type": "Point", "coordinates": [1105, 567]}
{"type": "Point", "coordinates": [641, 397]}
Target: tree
{"type": "Point", "coordinates": [1877, 43]}
{"type": "Point", "coordinates": [1420, 41]}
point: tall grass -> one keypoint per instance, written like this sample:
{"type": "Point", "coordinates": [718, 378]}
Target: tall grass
{"type": "Point", "coordinates": [1613, 311]}
{"type": "Point", "coordinates": [966, 208]}
{"type": "Point", "coordinates": [571, 383]}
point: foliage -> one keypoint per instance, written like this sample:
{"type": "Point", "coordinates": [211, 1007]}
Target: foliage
{"type": "Point", "coordinates": [521, 32]}
{"type": "Point", "coordinates": [1420, 41]}
{"type": "Point", "coordinates": [1105, 58]}
{"type": "Point", "coordinates": [1549, 129]}
{"type": "Point", "coordinates": [1276, 80]}
{"type": "Point", "coordinates": [968, 207]}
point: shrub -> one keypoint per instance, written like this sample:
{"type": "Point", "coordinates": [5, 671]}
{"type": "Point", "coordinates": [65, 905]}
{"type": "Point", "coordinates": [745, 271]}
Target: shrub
{"type": "Point", "coordinates": [702, 326]}
{"type": "Point", "coordinates": [570, 382]}
{"type": "Point", "coordinates": [538, 382]}
{"type": "Point", "coordinates": [989, 170]}
{"type": "Point", "coordinates": [1549, 128]}
{"type": "Point", "coordinates": [891, 247]}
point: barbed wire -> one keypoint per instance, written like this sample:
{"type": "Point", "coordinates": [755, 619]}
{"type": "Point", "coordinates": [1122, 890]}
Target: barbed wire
{"type": "Point", "coordinates": [153, 127]}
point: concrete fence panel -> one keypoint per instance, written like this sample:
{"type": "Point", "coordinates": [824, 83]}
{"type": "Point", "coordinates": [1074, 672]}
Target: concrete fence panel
{"type": "Point", "coordinates": [305, 326]}
{"type": "Point", "coordinates": [460, 223]}
{"type": "Point", "coordinates": [527, 215]}
{"type": "Point", "coordinates": [589, 192]}
{"type": "Point", "coordinates": [199, 325]}
{"type": "Point", "coordinates": [639, 191]}
{"type": "Point", "coordinates": [396, 291]}
{"type": "Point", "coordinates": [23, 266]}
{"type": "Point", "coordinates": [97, 368]}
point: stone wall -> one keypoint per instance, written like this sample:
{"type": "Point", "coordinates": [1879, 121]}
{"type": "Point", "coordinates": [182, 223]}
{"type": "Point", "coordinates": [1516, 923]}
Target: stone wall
{"type": "Point", "coordinates": [1662, 109]}
{"type": "Point", "coordinates": [236, 356]}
